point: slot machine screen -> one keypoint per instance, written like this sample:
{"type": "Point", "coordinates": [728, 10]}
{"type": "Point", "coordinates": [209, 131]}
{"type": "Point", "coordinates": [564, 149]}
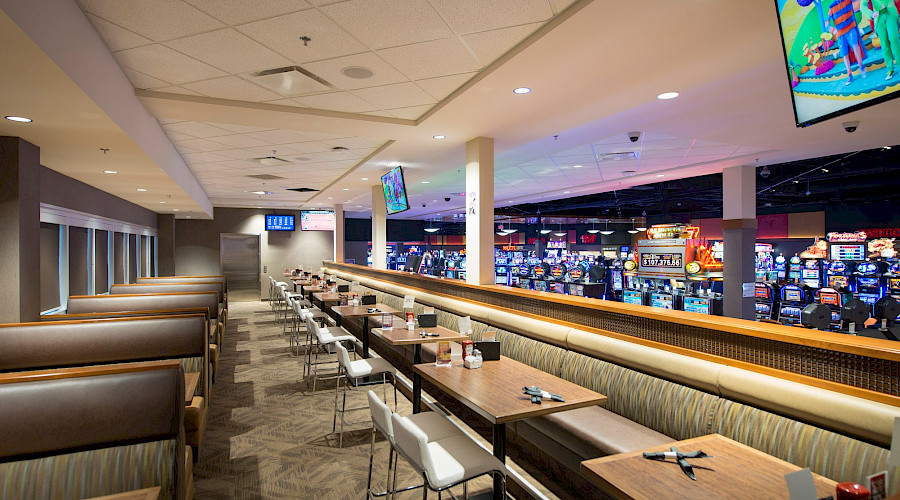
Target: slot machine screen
{"type": "Point", "coordinates": [894, 285]}
{"type": "Point", "coordinates": [662, 300]}
{"type": "Point", "coordinates": [558, 287]}
{"type": "Point", "coordinates": [837, 282]}
{"type": "Point", "coordinates": [809, 274]}
{"type": "Point", "coordinates": [633, 297]}
{"type": "Point", "coordinates": [869, 298]}
{"type": "Point", "coordinates": [540, 285]}
{"type": "Point", "coordinates": [848, 252]}
{"type": "Point", "coordinates": [617, 280]}
{"type": "Point", "coordinates": [762, 292]}
{"type": "Point", "coordinates": [829, 299]}
{"type": "Point", "coordinates": [867, 282]}
{"type": "Point", "coordinates": [696, 305]}
{"type": "Point", "coordinates": [793, 295]}
{"type": "Point", "coordinates": [501, 271]}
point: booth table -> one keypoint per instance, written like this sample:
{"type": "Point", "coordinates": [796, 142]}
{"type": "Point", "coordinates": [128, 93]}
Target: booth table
{"type": "Point", "coordinates": [494, 391]}
{"type": "Point", "coordinates": [404, 336]}
{"type": "Point", "coordinates": [737, 472]}
{"type": "Point", "coordinates": [301, 282]}
{"type": "Point", "coordinates": [362, 312]}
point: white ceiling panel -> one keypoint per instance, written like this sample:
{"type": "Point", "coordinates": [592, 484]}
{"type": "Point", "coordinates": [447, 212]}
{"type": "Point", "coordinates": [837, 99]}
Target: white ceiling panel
{"type": "Point", "coordinates": [286, 102]}
{"type": "Point", "coordinates": [166, 64]}
{"type": "Point", "coordinates": [400, 95]}
{"type": "Point", "coordinates": [356, 142]}
{"type": "Point", "coordinates": [229, 51]}
{"type": "Point", "coordinates": [490, 45]}
{"type": "Point", "coordinates": [337, 101]}
{"type": "Point", "coordinates": [410, 113]}
{"type": "Point", "coordinates": [584, 149]}
{"type": "Point", "coordinates": [662, 153]}
{"type": "Point", "coordinates": [467, 16]}
{"type": "Point", "coordinates": [116, 37]}
{"type": "Point", "coordinates": [178, 136]}
{"type": "Point", "coordinates": [142, 81]}
{"type": "Point", "coordinates": [278, 136]}
{"type": "Point", "coordinates": [238, 141]}
{"type": "Point", "coordinates": [235, 12]}
{"type": "Point", "coordinates": [683, 144]}
{"type": "Point", "coordinates": [203, 157]}
{"type": "Point", "coordinates": [380, 24]}
{"type": "Point", "coordinates": [197, 129]}
{"type": "Point", "coordinates": [237, 129]}
{"type": "Point", "coordinates": [379, 113]}
{"type": "Point", "coordinates": [157, 20]}
{"type": "Point", "coordinates": [185, 150]}
{"type": "Point", "coordinates": [722, 151]}
{"type": "Point", "coordinates": [330, 70]}
{"type": "Point", "coordinates": [301, 148]}
{"type": "Point", "coordinates": [691, 160]}
{"type": "Point", "coordinates": [560, 5]}
{"type": "Point", "coordinates": [322, 136]}
{"type": "Point", "coordinates": [175, 90]}
{"type": "Point", "coordinates": [569, 160]}
{"type": "Point", "coordinates": [282, 34]}
{"type": "Point", "coordinates": [232, 87]}
{"type": "Point", "coordinates": [441, 87]}
{"type": "Point", "coordinates": [447, 56]}
{"type": "Point", "coordinates": [201, 145]}
{"type": "Point", "coordinates": [746, 150]}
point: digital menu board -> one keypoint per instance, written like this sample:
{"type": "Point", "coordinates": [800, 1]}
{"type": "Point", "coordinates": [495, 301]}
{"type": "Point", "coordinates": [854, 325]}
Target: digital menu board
{"type": "Point", "coordinates": [848, 252]}
{"type": "Point", "coordinates": [317, 220]}
{"type": "Point", "coordinates": [279, 222]}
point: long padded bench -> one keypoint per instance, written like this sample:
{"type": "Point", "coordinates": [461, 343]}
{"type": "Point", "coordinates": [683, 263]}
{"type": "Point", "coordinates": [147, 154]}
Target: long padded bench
{"type": "Point", "coordinates": [189, 279]}
{"type": "Point", "coordinates": [59, 344]}
{"type": "Point", "coordinates": [93, 431]}
{"type": "Point", "coordinates": [179, 287]}
{"type": "Point", "coordinates": [81, 304]}
{"type": "Point", "coordinates": [656, 396]}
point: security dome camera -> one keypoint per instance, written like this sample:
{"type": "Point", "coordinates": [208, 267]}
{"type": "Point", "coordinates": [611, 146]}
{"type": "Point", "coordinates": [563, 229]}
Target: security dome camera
{"type": "Point", "coordinates": [634, 136]}
{"type": "Point", "coordinates": [765, 172]}
{"type": "Point", "coordinates": [850, 126]}
{"type": "Point", "coordinates": [423, 205]}
{"type": "Point", "coordinates": [447, 199]}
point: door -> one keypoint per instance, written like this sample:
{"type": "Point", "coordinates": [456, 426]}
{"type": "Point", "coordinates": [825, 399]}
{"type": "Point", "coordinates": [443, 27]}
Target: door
{"type": "Point", "coordinates": [239, 259]}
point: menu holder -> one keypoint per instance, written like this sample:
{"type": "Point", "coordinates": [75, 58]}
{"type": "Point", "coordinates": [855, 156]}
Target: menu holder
{"type": "Point", "coordinates": [428, 320]}
{"type": "Point", "coordinates": [490, 351]}
{"type": "Point", "coordinates": [443, 357]}
{"type": "Point", "coordinates": [465, 325]}
{"type": "Point", "coordinates": [489, 336]}
{"type": "Point", "coordinates": [428, 310]}
{"type": "Point", "coordinates": [344, 300]}
{"type": "Point", "coordinates": [343, 288]}
{"type": "Point", "coordinates": [367, 300]}
{"type": "Point", "coordinates": [387, 321]}
{"type": "Point", "coordinates": [409, 301]}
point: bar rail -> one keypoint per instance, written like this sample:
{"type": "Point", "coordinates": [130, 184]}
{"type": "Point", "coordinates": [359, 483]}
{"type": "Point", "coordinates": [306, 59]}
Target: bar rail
{"type": "Point", "coordinates": [867, 364]}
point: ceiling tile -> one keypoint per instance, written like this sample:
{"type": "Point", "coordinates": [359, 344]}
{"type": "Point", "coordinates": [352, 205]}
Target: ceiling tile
{"type": "Point", "coordinates": [237, 129]}
{"type": "Point", "coordinates": [178, 136]}
{"type": "Point", "coordinates": [330, 70]}
{"type": "Point", "coordinates": [321, 136]}
{"type": "Point", "coordinates": [467, 16]}
{"type": "Point", "coordinates": [337, 101]}
{"type": "Point", "coordinates": [141, 81]}
{"type": "Point", "coordinates": [282, 33]}
{"type": "Point", "coordinates": [201, 145]}
{"type": "Point", "coordinates": [569, 160]}
{"type": "Point", "coordinates": [400, 95]}
{"type": "Point", "coordinates": [286, 102]}
{"type": "Point", "coordinates": [301, 148]}
{"type": "Point", "coordinates": [241, 11]}
{"type": "Point", "coordinates": [441, 87]}
{"type": "Point", "coordinates": [238, 141]}
{"type": "Point", "coordinates": [723, 151]}
{"type": "Point", "coordinates": [166, 64]}
{"type": "Point", "coordinates": [116, 37]}
{"type": "Point", "coordinates": [379, 113]}
{"type": "Point", "coordinates": [663, 153]}
{"type": "Point", "coordinates": [278, 136]}
{"type": "Point", "coordinates": [420, 61]}
{"type": "Point", "coordinates": [356, 142]}
{"type": "Point", "coordinates": [412, 112]}
{"type": "Point", "coordinates": [691, 160]}
{"type": "Point", "coordinates": [745, 150]}
{"type": "Point", "coordinates": [560, 5]}
{"type": "Point", "coordinates": [380, 24]}
{"type": "Point", "coordinates": [232, 87]}
{"type": "Point", "coordinates": [203, 157]}
{"type": "Point", "coordinates": [490, 45]}
{"type": "Point", "coordinates": [197, 129]}
{"type": "Point", "coordinates": [185, 150]}
{"type": "Point", "coordinates": [158, 20]}
{"type": "Point", "coordinates": [175, 90]}
{"type": "Point", "coordinates": [229, 51]}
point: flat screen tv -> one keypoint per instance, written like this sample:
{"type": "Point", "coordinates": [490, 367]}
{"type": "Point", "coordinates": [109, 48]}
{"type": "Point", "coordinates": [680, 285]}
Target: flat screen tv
{"type": "Point", "coordinates": [394, 191]}
{"type": "Point", "coordinates": [279, 222]}
{"type": "Point", "coordinates": [820, 38]}
{"type": "Point", "coordinates": [317, 220]}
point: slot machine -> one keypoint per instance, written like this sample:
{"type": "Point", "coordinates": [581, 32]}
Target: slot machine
{"type": "Point", "coordinates": [766, 298]}
{"type": "Point", "coordinates": [793, 299]}
{"type": "Point", "coordinates": [893, 282]}
{"type": "Point", "coordinates": [665, 299]}
{"type": "Point", "coordinates": [540, 273]}
{"type": "Point", "coordinates": [633, 296]}
{"type": "Point", "coordinates": [541, 285]}
{"type": "Point", "coordinates": [501, 271]}
{"type": "Point", "coordinates": [870, 284]}
{"type": "Point", "coordinates": [703, 303]}
{"type": "Point", "coordinates": [795, 266]}
{"type": "Point", "coordinates": [811, 273]}
{"type": "Point", "coordinates": [832, 299]}
{"type": "Point", "coordinates": [558, 287]}
{"type": "Point", "coordinates": [837, 275]}
{"type": "Point", "coordinates": [525, 277]}
{"type": "Point", "coordinates": [558, 271]}
{"type": "Point", "coordinates": [576, 273]}
{"type": "Point", "coordinates": [780, 272]}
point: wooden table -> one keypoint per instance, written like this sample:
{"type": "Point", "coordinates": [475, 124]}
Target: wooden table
{"type": "Point", "coordinates": [144, 494]}
{"type": "Point", "coordinates": [190, 385]}
{"type": "Point", "coordinates": [301, 282]}
{"type": "Point", "coordinates": [737, 471]}
{"type": "Point", "coordinates": [404, 336]}
{"type": "Point", "coordinates": [362, 311]}
{"type": "Point", "coordinates": [494, 391]}
{"type": "Point", "coordinates": [309, 290]}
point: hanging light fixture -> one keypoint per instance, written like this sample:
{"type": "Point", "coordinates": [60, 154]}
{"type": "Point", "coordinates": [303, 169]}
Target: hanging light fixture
{"type": "Point", "coordinates": [606, 232]}
{"type": "Point", "coordinates": [560, 232]}
{"type": "Point", "coordinates": [633, 230]}
{"type": "Point", "coordinates": [643, 226]}
{"type": "Point", "coordinates": [593, 229]}
{"type": "Point", "coordinates": [544, 229]}
{"type": "Point", "coordinates": [431, 228]}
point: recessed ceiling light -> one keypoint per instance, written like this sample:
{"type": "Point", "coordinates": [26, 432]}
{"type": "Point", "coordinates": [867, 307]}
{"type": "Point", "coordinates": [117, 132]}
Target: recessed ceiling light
{"type": "Point", "coordinates": [522, 90]}
{"type": "Point", "coordinates": [331, 197]}
{"type": "Point", "coordinates": [346, 189]}
{"type": "Point", "coordinates": [142, 190]}
{"type": "Point", "coordinates": [629, 173]}
{"type": "Point", "coordinates": [577, 166]}
{"type": "Point", "coordinates": [260, 192]}
{"type": "Point", "coordinates": [357, 72]}
{"type": "Point", "coordinates": [566, 192]}
{"type": "Point", "coordinates": [667, 95]}
{"type": "Point", "coordinates": [176, 210]}
{"type": "Point", "coordinates": [426, 182]}
{"type": "Point", "coordinates": [162, 203]}
{"type": "Point", "coordinates": [365, 178]}
{"type": "Point", "coordinates": [188, 217]}
{"type": "Point", "coordinates": [660, 175]}
{"type": "Point", "coordinates": [110, 172]}
{"type": "Point", "coordinates": [886, 147]}
{"type": "Point", "coordinates": [444, 137]}
{"type": "Point", "coordinates": [21, 119]}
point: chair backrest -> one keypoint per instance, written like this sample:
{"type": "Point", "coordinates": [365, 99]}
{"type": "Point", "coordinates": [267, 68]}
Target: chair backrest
{"type": "Point", "coordinates": [381, 416]}
{"type": "Point", "coordinates": [343, 356]}
{"type": "Point", "coordinates": [311, 325]}
{"type": "Point", "coordinates": [410, 441]}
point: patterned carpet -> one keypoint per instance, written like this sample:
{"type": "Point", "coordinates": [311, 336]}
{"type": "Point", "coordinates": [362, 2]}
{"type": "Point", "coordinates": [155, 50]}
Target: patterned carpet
{"type": "Point", "coordinates": [269, 436]}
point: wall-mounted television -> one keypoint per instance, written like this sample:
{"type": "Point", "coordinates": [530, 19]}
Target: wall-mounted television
{"type": "Point", "coordinates": [279, 222]}
{"type": "Point", "coordinates": [820, 38]}
{"type": "Point", "coordinates": [394, 191]}
{"type": "Point", "coordinates": [317, 220]}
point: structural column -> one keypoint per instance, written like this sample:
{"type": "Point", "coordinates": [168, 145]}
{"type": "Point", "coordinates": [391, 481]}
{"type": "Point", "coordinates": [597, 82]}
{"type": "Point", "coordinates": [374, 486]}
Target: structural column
{"type": "Point", "coordinates": [739, 231]}
{"type": "Point", "coordinates": [338, 233]}
{"type": "Point", "coordinates": [480, 211]}
{"type": "Point", "coordinates": [165, 245]}
{"type": "Point", "coordinates": [379, 228]}
{"type": "Point", "coordinates": [20, 225]}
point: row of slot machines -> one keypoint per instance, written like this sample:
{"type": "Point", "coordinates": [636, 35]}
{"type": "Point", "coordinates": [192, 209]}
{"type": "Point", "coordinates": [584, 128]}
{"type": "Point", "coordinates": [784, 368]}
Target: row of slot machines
{"type": "Point", "coordinates": [703, 301]}
{"type": "Point", "coordinates": [581, 279]}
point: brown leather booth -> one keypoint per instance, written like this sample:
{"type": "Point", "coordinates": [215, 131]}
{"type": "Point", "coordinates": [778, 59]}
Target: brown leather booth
{"type": "Point", "coordinates": [188, 279]}
{"type": "Point", "coordinates": [122, 423]}
{"type": "Point", "coordinates": [59, 344]}
{"type": "Point", "coordinates": [180, 287]}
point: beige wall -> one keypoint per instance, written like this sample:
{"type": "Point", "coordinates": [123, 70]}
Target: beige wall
{"type": "Point", "coordinates": [197, 243]}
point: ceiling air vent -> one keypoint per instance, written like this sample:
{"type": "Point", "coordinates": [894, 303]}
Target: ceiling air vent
{"type": "Point", "coordinates": [270, 160]}
{"type": "Point", "coordinates": [630, 155]}
{"type": "Point", "coordinates": [303, 190]}
{"type": "Point", "coordinates": [265, 177]}
{"type": "Point", "coordinates": [291, 81]}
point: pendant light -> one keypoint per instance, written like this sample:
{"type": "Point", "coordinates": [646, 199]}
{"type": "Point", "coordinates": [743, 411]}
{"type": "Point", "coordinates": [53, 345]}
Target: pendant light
{"type": "Point", "coordinates": [431, 228]}
{"type": "Point", "coordinates": [544, 229]}
{"type": "Point", "coordinates": [560, 232]}
{"type": "Point", "coordinates": [593, 229]}
{"type": "Point", "coordinates": [606, 232]}
{"type": "Point", "coordinates": [633, 230]}
{"type": "Point", "coordinates": [643, 226]}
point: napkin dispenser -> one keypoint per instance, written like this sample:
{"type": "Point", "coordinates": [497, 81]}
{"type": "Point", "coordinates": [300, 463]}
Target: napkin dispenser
{"type": "Point", "coordinates": [367, 300]}
{"type": "Point", "coordinates": [490, 350]}
{"type": "Point", "coordinates": [343, 288]}
{"type": "Point", "coordinates": [428, 320]}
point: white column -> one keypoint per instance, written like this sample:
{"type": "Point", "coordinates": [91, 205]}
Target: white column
{"type": "Point", "coordinates": [379, 228]}
{"type": "Point", "coordinates": [338, 233]}
{"type": "Point", "coordinates": [739, 235]}
{"type": "Point", "coordinates": [480, 211]}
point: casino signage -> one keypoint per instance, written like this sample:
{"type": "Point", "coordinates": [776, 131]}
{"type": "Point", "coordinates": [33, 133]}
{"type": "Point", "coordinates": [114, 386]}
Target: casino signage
{"type": "Point", "coordinates": [664, 260]}
{"type": "Point", "coordinates": [857, 237]}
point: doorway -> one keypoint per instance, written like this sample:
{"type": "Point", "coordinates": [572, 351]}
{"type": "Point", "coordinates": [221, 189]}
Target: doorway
{"type": "Point", "coordinates": [239, 259]}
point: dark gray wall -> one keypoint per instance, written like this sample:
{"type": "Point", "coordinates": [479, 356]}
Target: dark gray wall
{"type": "Point", "coordinates": [20, 225]}
{"type": "Point", "coordinates": [165, 246]}
{"type": "Point", "coordinates": [196, 249]}
{"type": "Point", "coordinates": [62, 191]}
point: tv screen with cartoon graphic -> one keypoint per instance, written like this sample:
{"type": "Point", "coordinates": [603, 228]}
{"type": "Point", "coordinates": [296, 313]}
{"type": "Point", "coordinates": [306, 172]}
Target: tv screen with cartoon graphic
{"type": "Point", "coordinates": [394, 191]}
{"type": "Point", "coordinates": [841, 55]}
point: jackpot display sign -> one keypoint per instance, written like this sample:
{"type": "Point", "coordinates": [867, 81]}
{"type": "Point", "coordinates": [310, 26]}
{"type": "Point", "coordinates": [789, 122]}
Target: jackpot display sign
{"type": "Point", "coordinates": [667, 260]}
{"type": "Point", "coordinates": [661, 258]}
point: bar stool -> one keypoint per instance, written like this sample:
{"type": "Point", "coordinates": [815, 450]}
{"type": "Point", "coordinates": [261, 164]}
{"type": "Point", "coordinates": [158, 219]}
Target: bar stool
{"type": "Point", "coordinates": [323, 337]}
{"type": "Point", "coordinates": [446, 462]}
{"type": "Point", "coordinates": [433, 425]}
{"type": "Point", "coordinates": [351, 372]}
